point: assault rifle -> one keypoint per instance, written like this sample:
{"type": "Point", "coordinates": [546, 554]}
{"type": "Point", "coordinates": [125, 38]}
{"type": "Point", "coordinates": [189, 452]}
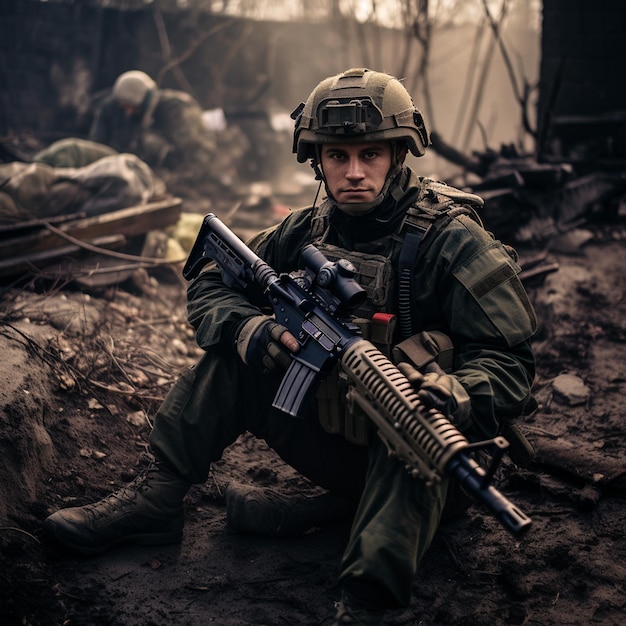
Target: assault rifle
{"type": "Point", "coordinates": [314, 305]}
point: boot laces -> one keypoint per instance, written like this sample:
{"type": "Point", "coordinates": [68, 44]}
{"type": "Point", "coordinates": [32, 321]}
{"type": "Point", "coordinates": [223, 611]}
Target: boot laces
{"type": "Point", "coordinates": [125, 495]}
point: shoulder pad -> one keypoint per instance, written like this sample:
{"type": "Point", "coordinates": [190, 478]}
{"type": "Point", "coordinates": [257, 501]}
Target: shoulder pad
{"type": "Point", "coordinates": [454, 194]}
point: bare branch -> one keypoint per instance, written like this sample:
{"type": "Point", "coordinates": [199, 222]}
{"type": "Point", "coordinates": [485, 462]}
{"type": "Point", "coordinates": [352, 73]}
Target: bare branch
{"type": "Point", "coordinates": [174, 63]}
{"type": "Point", "coordinates": [480, 89]}
{"type": "Point", "coordinates": [522, 96]}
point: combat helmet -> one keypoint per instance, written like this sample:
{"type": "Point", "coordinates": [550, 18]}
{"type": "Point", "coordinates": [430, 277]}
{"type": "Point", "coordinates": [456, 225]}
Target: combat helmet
{"type": "Point", "coordinates": [358, 105]}
{"type": "Point", "coordinates": [133, 87]}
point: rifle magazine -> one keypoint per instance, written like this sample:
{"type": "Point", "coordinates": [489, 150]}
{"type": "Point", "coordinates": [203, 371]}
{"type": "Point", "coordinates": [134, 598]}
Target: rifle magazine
{"type": "Point", "coordinates": [295, 389]}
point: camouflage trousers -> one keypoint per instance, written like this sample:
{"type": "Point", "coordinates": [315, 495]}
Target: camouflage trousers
{"type": "Point", "coordinates": [219, 399]}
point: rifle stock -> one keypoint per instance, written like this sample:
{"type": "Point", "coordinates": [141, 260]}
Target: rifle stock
{"type": "Point", "coordinates": [423, 439]}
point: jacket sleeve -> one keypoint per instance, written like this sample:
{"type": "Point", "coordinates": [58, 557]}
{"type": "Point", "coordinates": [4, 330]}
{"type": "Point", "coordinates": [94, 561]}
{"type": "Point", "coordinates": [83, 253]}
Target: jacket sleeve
{"type": "Point", "coordinates": [216, 310]}
{"type": "Point", "coordinates": [489, 318]}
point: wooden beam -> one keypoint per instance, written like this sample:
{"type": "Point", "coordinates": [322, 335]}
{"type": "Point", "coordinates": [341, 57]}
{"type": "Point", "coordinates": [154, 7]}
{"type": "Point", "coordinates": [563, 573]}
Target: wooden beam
{"type": "Point", "coordinates": [131, 221]}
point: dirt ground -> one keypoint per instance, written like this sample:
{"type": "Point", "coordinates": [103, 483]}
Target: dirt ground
{"type": "Point", "coordinates": [82, 374]}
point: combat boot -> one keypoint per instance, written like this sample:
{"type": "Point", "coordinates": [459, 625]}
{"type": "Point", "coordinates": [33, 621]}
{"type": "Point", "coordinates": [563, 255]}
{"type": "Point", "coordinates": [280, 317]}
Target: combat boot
{"type": "Point", "coordinates": [148, 511]}
{"type": "Point", "coordinates": [349, 612]}
{"type": "Point", "coordinates": [260, 511]}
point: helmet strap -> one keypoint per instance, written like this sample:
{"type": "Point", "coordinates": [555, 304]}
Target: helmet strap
{"type": "Point", "coordinates": [315, 164]}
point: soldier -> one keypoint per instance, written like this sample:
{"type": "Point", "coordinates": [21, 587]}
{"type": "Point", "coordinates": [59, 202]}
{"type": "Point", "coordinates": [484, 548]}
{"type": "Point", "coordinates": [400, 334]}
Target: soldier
{"type": "Point", "coordinates": [421, 254]}
{"type": "Point", "coordinates": [164, 127]}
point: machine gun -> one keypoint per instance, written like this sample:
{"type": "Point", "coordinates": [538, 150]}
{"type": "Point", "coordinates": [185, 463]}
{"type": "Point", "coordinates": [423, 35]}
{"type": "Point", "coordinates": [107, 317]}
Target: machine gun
{"type": "Point", "coordinates": [314, 306]}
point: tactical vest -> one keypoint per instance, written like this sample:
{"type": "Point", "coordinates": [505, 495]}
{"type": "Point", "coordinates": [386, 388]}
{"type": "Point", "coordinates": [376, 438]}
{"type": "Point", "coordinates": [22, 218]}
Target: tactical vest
{"type": "Point", "coordinates": [433, 209]}
{"type": "Point", "coordinates": [387, 278]}
{"type": "Point", "coordinates": [390, 271]}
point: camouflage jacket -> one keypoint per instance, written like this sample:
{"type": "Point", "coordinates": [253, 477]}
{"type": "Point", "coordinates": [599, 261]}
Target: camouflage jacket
{"type": "Point", "coordinates": [465, 283]}
{"type": "Point", "coordinates": [172, 124]}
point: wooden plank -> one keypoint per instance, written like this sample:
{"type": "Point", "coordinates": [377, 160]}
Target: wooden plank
{"type": "Point", "coordinates": [131, 221]}
{"type": "Point", "coordinates": [24, 263]}
{"type": "Point", "coordinates": [17, 228]}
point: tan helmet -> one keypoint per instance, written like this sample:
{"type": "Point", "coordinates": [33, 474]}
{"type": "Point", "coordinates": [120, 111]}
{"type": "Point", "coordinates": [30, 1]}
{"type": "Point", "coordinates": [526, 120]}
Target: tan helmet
{"type": "Point", "coordinates": [358, 105]}
{"type": "Point", "coordinates": [133, 87]}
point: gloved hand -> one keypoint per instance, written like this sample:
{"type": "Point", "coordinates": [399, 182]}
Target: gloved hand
{"type": "Point", "coordinates": [264, 344]}
{"type": "Point", "coordinates": [440, 391]}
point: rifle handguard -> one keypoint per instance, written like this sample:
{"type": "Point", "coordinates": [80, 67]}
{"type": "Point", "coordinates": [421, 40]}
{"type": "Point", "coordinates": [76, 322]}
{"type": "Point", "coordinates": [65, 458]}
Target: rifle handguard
{"type": "Point", "coordinates": [424, 439]}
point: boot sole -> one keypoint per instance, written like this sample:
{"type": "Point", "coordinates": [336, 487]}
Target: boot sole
{"type": "Point", "coordinates": [149, 539]}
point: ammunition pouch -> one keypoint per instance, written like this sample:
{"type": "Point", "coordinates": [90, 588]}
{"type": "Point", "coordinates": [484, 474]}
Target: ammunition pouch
{"type": "Point", "coordinates": [424, 348]}
{"type": "Point", "coordinates": [336, 414]}
{"type": "Point", "coordinates": [379, 330]}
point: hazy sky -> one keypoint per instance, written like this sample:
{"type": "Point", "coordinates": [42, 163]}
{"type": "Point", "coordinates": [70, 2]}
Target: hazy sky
{"type": "Point", "coordinates": [388, 12]}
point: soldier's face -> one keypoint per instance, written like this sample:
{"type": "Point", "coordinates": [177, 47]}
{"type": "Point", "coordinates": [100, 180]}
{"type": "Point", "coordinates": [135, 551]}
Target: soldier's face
{"type": "Point", "coordinates": [356, 172]}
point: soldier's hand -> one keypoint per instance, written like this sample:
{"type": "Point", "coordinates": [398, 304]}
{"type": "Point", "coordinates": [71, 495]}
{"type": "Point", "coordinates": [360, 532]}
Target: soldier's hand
{"type": "Point", "coordinates": [442, 392]}
{"type": "Point", "coordinates": [266, 345]}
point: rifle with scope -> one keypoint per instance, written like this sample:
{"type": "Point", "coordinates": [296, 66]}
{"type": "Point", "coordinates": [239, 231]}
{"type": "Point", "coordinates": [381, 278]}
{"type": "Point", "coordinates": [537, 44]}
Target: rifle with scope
{"type": "Point", "coordinates": [314, 306]}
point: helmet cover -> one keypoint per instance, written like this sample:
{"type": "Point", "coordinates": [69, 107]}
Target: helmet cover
{"type": "Point", "coordinates": [133, 87]}
{"type": "Point", "coordinates": [358, 105]}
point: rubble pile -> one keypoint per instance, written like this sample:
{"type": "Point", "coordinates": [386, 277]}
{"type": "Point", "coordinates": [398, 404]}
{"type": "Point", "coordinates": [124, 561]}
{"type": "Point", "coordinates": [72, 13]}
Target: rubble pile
{"type": "Point", "coordinates": [529, 203]}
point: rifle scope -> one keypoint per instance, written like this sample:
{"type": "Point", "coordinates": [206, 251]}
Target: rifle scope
{"type": "Point", "coordinates": [336, 277]}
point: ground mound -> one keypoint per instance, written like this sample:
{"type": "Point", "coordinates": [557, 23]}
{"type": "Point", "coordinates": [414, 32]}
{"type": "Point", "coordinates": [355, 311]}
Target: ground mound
{"type": "Point", "coordinates": [82, 374]}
